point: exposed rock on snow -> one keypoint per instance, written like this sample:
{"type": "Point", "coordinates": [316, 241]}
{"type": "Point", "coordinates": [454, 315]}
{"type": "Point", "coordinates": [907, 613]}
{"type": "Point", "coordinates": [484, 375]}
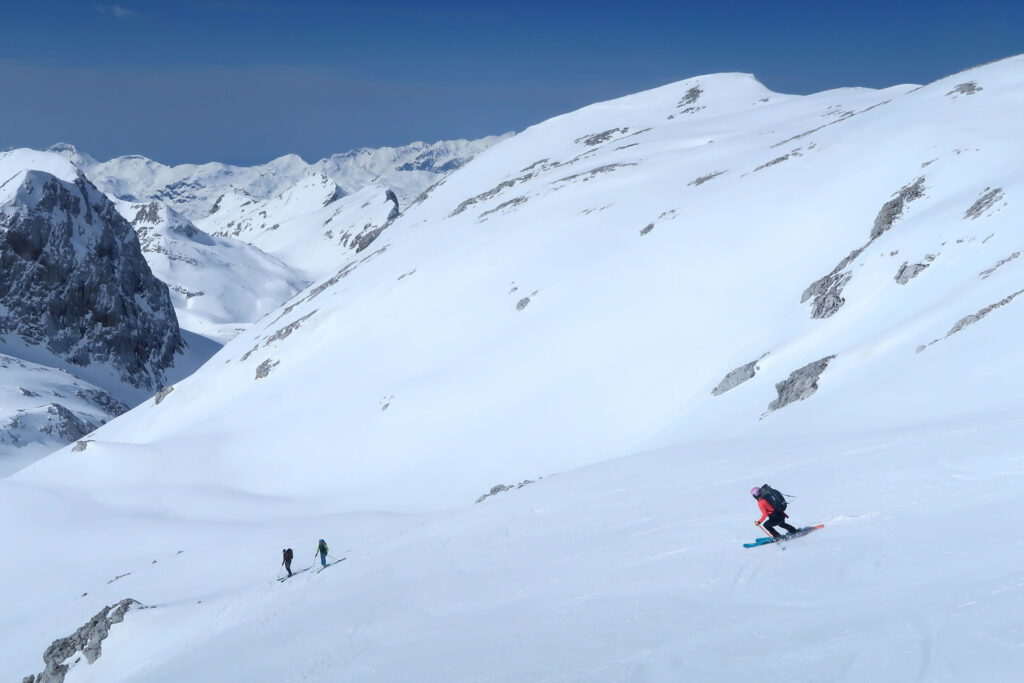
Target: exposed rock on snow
{"type": "Point", "coordinates": [968, 88]}
{"type": "Point", "coordinates": [704, 178]}
{"type": "Point", "coordinates": [908, 271]}
{"type": "Point", "coordinates": [989, 198]}
{"type": "Point", "coordinates": [737, 377]}
{"type": "Point", "coordinates": [501, 488]}
{"type": "Point", "coordinates": [162, 394]}
{"type": "Point", "coordinates": [265, 367]}
{"type": "Point", "coordinates": [845, 116]}
{"type": "Point", "coordinates": [893, 209]}
{"type": "Point", "coordinates": [975, 317]}
{"type": "Point", "coordinates": [827, 291]}
{"type": "Point", "coordinates": [800, 384]}
{"type": "Point", "coordinates": [1002, 262]}
{"type": "Point", "coordinates": [493, 192]}
{"type": "Point", "coordinates": [87, 639]}
{"type": "Point", "coordinates": [592, 140]}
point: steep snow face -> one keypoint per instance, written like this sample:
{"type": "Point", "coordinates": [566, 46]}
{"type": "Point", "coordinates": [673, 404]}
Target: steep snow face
{"type": "Point", "coordinates": [74, 281]}
{"type": "Point", "coordinates": [218, 285]}
{"type": "Point", "coordinates": [313, 226]}
{"type": "Point", "coordinates": [194, 190]}
{"type": "Point", "coordinates": [581, 290]}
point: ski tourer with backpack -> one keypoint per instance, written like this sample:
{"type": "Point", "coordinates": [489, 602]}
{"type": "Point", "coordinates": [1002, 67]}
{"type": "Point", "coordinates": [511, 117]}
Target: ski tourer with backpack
{"type": "Point", "coordinates": [772, 505]}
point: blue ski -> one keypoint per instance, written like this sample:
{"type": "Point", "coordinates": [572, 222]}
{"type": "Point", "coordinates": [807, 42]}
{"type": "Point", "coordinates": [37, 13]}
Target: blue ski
{"type": "Point", "coordinates": [764, 540]}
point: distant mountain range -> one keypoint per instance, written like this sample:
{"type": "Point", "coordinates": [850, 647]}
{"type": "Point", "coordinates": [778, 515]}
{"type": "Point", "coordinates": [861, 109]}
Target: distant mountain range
{"type": "Point", "coordinates": [193, 189]}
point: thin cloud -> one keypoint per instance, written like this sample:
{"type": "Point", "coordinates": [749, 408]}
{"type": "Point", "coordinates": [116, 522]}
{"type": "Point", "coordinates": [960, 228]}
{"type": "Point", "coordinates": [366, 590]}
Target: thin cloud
{"type": "Point", "coordinates": [117, 11]}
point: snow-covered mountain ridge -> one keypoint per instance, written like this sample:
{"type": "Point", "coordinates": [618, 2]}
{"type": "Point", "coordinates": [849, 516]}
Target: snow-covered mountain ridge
{"type": "Point", "coordinates": [664, 300]}
{"type": "Point", "coordinates": [194, 189]}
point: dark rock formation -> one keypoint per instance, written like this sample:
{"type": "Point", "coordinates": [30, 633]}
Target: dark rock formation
{"type": "Point", "coordinates": [968, 88]}
{"type": "Point", "coordinates": [73, 279]}
{"type": "Point", "coordinates": [989, 197]}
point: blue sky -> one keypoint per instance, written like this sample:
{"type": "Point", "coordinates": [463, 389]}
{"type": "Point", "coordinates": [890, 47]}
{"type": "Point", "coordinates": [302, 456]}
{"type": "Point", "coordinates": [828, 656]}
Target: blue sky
{"type": "Point", "coordinates": [244, 81]}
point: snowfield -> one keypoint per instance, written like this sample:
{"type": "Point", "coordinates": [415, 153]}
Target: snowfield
{"type": "Point", "coordinates": [643, 308]}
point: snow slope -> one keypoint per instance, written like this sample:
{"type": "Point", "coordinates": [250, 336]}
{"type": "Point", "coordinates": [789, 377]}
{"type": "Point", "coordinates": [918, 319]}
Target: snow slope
{"type": "Point", "coordinates": [43, 409]}
{"type": "Point", "coordinates": [312, 226]}
{"type": "Point", "coordinates": [218, 285]}
{"type": "Point", "coordinates": [665, 300]}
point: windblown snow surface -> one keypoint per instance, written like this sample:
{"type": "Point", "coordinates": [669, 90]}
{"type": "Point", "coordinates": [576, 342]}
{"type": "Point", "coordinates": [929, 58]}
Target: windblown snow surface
{"type": "Point", "coordinates": [645, 307]}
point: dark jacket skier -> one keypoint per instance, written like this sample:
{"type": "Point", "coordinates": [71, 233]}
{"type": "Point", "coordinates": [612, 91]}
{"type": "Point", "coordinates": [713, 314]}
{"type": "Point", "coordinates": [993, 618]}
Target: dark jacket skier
{"type": "Point", "coordinates": [287, 556]}
{"type": "Point", "coordinates": [775, 517]}
{"type": "Point", "coordinates": [321, 549]}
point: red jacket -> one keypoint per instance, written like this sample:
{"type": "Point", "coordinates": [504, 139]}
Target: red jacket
{"type": "Point", "coordinates": [766, 509]}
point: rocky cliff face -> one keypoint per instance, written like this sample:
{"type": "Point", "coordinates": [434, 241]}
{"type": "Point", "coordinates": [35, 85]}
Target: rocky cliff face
{"type": "Point", "coordinates": [73, 279]}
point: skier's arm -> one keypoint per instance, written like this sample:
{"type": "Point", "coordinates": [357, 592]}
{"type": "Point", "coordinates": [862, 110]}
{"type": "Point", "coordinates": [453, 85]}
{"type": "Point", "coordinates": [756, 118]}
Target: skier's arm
{"type": "Point", "coordinates": [766, 509]}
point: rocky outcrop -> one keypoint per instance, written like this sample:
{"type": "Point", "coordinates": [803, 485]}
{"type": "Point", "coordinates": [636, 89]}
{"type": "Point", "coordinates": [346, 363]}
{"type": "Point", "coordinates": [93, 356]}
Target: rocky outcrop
{"type": "Point", "coordinates": [501, 488]}
{"type": "Point", "coordinates": [73, 279]}
{"type": "Point", "coordinates": [87, 639]}
{"type": "Point", "coordinates": [989, 198]}
{"type": "Point", "coordinates": [968, 88]}
{"type": "Point", "coordinates": [893, 209]}
{"type": "Point", "coordinates": [737, 377]}
{"type": "Point", "coordinates": [827, 291]}
{"type": "Point", "coordinates": [908, 271]}
{"type": "Point", "coordinates": [800, 384]}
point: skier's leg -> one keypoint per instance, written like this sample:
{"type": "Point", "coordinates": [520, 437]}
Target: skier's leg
{"type": "Point", "coordinates": [769, 526]}
{"type": "Point", "coordinates": [789, 528]}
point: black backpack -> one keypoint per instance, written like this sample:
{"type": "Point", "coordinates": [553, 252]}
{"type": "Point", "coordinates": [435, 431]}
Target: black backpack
{"type": "Point", "coordinates": [774, 498]}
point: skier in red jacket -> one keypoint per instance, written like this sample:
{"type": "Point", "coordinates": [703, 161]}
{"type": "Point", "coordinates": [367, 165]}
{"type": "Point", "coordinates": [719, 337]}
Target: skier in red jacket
{"type": "Point", "coordinates": [775, 517]}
